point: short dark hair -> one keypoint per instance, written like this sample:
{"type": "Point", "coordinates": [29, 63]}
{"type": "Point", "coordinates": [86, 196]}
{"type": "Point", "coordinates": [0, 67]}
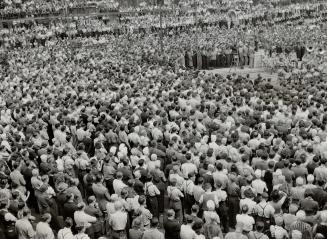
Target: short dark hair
{"type": "Point", "coordinates": [154, 222]}
{"type": "Point", "coordinates": [69, 222]}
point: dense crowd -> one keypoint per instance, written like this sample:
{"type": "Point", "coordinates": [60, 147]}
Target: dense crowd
{"type": "Point", "coordinates": [15, 9]}
{"type": "Point", "coordinates": [105, 135]}
{"type": "Point", "coordinates": [202, 46]}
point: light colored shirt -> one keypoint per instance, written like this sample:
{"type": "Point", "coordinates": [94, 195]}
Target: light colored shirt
{"type": "Point", "coordinates": [320, 173]}
{"type": "Point", "coordinates": [257, 235]}
{"type": "Point", "coordinates": [24, 229]}
{"type": "Point", "coordinates": [221, 195]}
{"type": "Point", "coordinates": [188, 187]}
{"type": "Point", "coordinates": [264, 209]}
{"type": "Point", "coordinates": [211, 216]}
{"type": "Point", "coordinates": [220, 177]}
{"type": "Point", "coordinates": [118, 221]}
{"type": "Point", "coordinates": [198, 191]}
{"type": "Point", "coordinates": [174, 193]}
{"type": "Point", "coordinates": [17, 177]}
{"type": "Point", "coordinates": [118, 185]}
{"type": "Point", "coordinates": [151, 189]}
{"type": "Point", "coordinates": [65, 233]}
{"type": "Point", "coordinates": [188, 168]}
{"type": "Point", "coordinates": [260, 186]}
{"type": "Point", "coordinates": [278, 232]}
{"type": "Point", "coordinates": [235, 235]}
{"type": "Point", "coordinates": [249, 202]}
{"type": "Point", "coordinates": [43, 231]}
{"type": "Point", "coordinates": [246, 220]}
{"type": "Point", "coordinates": [187, 232]}
{"type": "Point", "coordinates": [81, 236]}
{"type": "Point", "coordinates": [81, 217]}
{"type": "Point", "coordinates": [153, 233]}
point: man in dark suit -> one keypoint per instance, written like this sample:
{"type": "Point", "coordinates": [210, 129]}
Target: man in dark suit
{"type": "Point", "coordinates": [70, 206]}
{"type": "Point", "coordinates": [172, 226]}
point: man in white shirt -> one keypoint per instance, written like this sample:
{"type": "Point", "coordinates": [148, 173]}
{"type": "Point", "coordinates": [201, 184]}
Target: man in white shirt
{"type": "Point", "coordinates": [186, 230]}
{"type": "Point", "coordinates": [66, 232]}
{"type": "Point", "coordinates": [24, 227]}
{"type": "Point", "coordinates": [118, 184]}
{"type": "Point", "coordinates": [219, 176]}
{"type": "Point", "coordinates": [118, 221]}
{"type": "Point", "coordinates": [43, 229]}
{"type": "Point", "coordinates": [248, 201]}
{"type": "Point", "coordinates": [244, 219]}
{"type": "Point", "coordinates": [60, 135]}
{"type": "Point", "coordinates": [188, 167]}
{"type": "Point", "coordinates": [82, 218]}
{"type": "Point", "coordinates": [264, 210]}
{"type": "Point", "coordinates": [320, 172]}
{"type": "Point", "coordinates": [258, 184]}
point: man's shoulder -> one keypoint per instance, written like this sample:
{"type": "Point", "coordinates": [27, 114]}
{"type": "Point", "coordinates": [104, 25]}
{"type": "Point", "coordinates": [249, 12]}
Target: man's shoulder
{"type": "Point", "coordinates": [151, 232]}
{"type": "Point", "coordinates": [231, 235]}
{"type": "Point", "coordinates": [169, 222]}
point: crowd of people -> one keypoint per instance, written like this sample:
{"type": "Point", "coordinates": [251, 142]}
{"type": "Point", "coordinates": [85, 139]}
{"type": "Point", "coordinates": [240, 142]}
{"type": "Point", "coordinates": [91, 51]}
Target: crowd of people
{"type": "Point", "coordinates": [105, 135]}
{"type": "Point", "coordinates": [205, 45]}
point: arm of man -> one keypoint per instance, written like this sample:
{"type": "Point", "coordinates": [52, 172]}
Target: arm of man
{"type": "Point", "coordinates": [89, 218]}
{"type": "Point", "coordinates": [22, 180]}
{"type": "Point", "coordinates": [156, 190]}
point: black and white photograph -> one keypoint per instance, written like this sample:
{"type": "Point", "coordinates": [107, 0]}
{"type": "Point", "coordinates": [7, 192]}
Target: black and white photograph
{"type": "Point", "coordinates": [163, 119]}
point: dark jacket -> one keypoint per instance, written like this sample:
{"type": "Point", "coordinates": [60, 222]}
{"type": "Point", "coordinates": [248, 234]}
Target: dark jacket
{"type": "Point", "coordinates": [172, 229]}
